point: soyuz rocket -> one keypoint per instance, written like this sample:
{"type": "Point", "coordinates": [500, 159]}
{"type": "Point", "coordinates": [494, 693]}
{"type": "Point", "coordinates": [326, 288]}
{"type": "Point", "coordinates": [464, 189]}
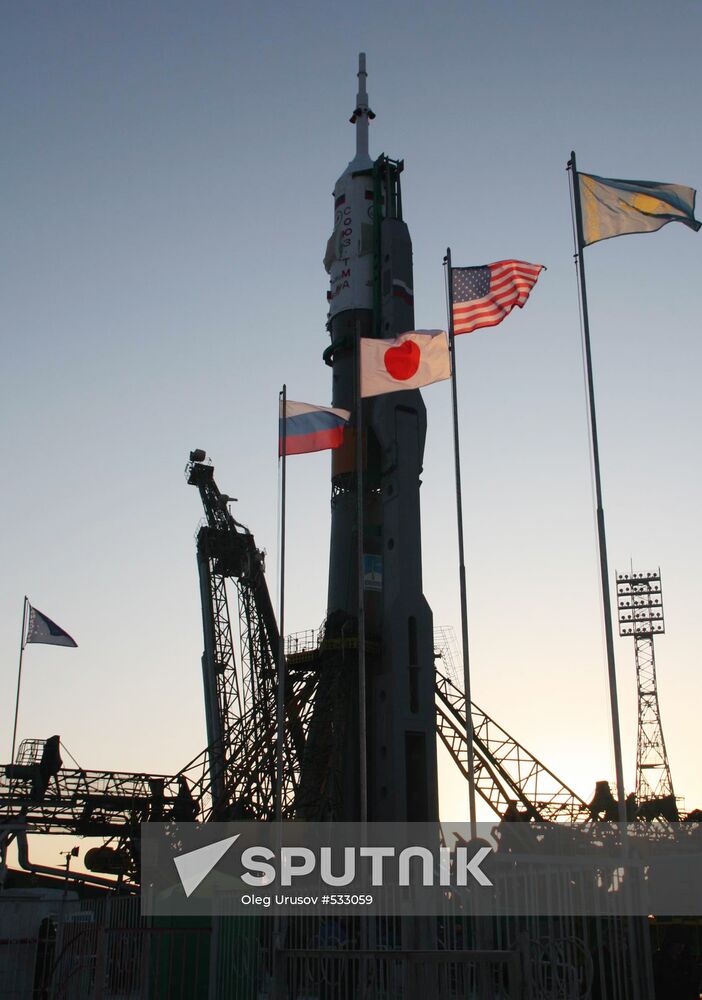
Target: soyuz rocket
{"type": "Point", "coordinates": [369, 261]}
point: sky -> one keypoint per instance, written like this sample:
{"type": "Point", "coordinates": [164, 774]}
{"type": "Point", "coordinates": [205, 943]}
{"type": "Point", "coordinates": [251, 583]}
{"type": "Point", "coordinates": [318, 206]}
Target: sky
{"type": "Point", "coordinates": [168, 171]}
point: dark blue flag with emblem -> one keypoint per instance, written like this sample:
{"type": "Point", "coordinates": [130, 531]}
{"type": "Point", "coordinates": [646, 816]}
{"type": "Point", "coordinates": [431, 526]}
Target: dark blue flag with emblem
{"type": "Point", "coordinates": [40, 628]}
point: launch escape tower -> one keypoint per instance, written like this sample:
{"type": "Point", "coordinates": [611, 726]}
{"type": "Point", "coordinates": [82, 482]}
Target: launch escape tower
{"type": "Point", "coordinates": [369, 260]}
{"type": "Point", "coordinates": [640, 610]}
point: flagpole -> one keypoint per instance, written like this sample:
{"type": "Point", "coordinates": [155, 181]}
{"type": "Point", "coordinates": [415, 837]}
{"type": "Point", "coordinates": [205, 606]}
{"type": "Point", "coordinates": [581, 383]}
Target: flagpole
{"type": "Point", "coordinates": [19, 677]}
{"type": "Point", "coordinates": [461, 558]}
{"type": "Point", "coordinates": [279, 982]}
{"type": "Point", "coordinates": [601, 539]}
{"type": "Point", "coordinates": [19, 684]}
{"type": "Point", "coordinates": [280, 722]}
{"type": "Point", "coordinates": [362, 734]}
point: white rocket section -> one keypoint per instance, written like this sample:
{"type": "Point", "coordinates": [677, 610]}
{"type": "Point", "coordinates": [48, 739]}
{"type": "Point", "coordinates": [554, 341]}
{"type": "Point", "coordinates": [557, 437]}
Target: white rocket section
{"type": "Point", "coordinates": [360, 117]}
{"type": "Point", "coordinates": [349, 256]}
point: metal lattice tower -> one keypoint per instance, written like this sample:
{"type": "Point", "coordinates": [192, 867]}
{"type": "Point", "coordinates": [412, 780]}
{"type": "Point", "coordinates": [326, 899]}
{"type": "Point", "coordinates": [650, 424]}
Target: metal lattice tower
{"type": "Point", "coordinates": [234, 777]}
{"type": "Point", "coordinates": [508, 777]}
{"type": "Point", "coordinates": [640, 610]}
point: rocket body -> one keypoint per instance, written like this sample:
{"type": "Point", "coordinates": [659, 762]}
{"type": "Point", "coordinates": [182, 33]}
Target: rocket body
{"type": "Point", "coordinates": [369, 260]}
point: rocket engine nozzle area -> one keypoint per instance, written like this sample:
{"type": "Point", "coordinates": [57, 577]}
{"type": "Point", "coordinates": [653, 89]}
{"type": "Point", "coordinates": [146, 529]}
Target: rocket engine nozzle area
{"type": "Point", "coordinates": [361, 111]}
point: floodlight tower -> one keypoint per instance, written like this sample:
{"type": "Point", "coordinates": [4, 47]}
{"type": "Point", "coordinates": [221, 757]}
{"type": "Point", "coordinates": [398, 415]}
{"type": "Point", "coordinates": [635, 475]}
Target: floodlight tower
{"type": "Point", "coordinates": [640, 610]}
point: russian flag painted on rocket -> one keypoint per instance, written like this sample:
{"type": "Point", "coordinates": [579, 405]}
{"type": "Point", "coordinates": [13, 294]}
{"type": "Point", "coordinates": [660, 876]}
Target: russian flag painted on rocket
{"type": "Point", "coordinates": [305, 427]}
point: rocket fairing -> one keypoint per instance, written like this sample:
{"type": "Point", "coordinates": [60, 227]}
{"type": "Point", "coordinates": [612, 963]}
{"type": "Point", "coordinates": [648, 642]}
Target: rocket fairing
{"type": "Point", "coordinates": [369, 261]}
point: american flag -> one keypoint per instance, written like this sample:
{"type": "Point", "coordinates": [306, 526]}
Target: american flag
{"type": "Point", "coordinates": [483, 296]}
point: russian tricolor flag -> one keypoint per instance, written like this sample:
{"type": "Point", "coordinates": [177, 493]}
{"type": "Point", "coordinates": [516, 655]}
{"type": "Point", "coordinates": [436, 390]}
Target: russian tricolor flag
{"type": "Point", "coordinates": [305, 427]}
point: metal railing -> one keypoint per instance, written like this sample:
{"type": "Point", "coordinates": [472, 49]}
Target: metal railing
{"type": "Point", "coordinates": [104, 950]}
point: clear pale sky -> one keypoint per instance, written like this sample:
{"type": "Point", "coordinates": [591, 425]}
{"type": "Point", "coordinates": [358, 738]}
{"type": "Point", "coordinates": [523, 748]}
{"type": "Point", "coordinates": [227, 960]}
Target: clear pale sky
{"type": "Point", "coordinates": [167, 173]}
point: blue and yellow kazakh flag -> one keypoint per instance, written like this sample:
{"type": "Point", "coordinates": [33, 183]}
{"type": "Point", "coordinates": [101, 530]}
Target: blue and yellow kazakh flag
{"type": "Point", "coordinates": [612, 207]}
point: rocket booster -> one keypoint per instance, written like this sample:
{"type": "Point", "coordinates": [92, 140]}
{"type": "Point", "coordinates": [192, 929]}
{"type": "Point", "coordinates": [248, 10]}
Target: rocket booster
{"type": "Point", "coordinates": [369, 262]}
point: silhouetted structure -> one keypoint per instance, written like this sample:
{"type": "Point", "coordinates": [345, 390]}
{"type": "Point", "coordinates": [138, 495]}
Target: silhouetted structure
{"type": "Point", "coordinates": [640, 610]}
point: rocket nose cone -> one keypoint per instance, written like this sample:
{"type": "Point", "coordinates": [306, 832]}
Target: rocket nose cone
{"type": "Point", "coordinates": [360, 118]}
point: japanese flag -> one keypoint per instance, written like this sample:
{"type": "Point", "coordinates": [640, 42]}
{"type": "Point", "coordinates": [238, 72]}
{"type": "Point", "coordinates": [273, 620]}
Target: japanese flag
{"type": "Point", "coordinates": [409, 361]}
